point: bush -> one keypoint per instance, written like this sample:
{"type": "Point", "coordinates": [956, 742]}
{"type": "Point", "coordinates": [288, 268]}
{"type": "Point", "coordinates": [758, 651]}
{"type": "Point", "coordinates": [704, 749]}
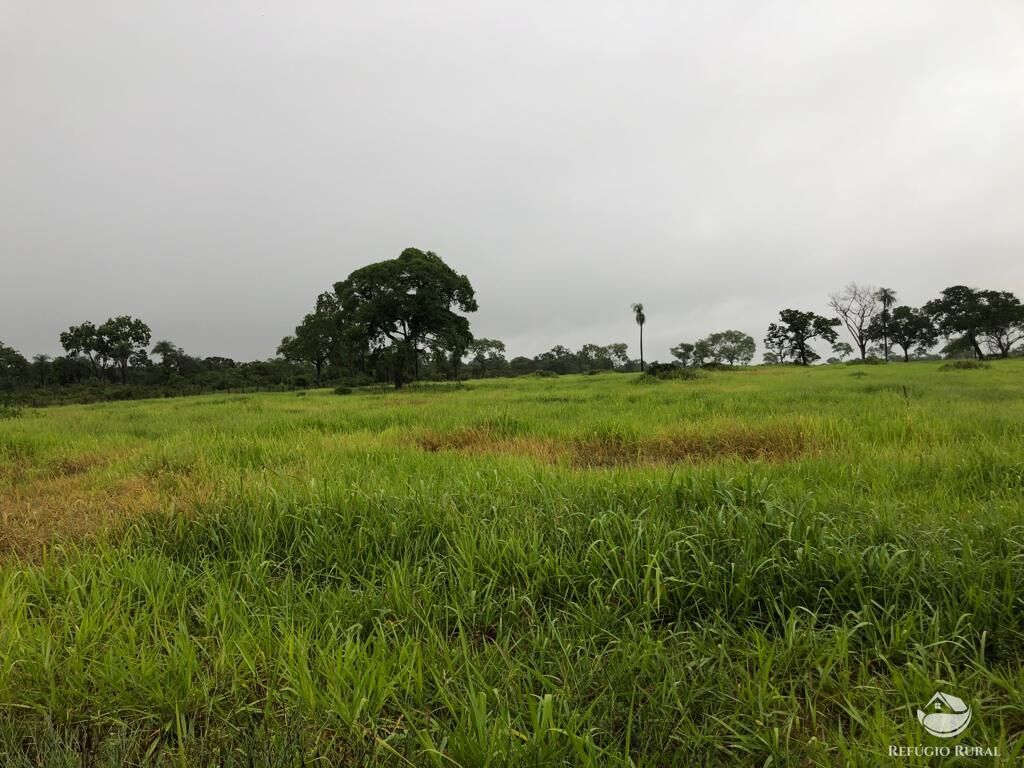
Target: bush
{"type": "Point", "coordinates": [668, 371]}
{"type": "Point", "coordinates": [964, 365]}
{"type": "Point", "coordinates": [343, 390]}
{"type": "Point", "coordinates": [9, 412]}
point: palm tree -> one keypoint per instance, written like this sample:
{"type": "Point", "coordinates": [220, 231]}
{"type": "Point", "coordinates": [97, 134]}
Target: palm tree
{"type": "Point", "coordinates": [888, 297]}
{"type": "Point", "coordinates": [641, 318]}
{"type": "Point", "coordinates": [168, 352]}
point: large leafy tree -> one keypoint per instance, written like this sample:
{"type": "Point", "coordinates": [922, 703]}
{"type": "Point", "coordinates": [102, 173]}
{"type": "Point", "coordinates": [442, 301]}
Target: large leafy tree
{"type": "Point", "coordinates": [906, 327]}
{"type": "Point", "coordinates": [487, 357]}
{"type": "Point", "coordinates": [619, 354]}
{"type": "Point", "coordinates": [317, 339]}
{"type": "Point", "coordinates": [1004, 321]}
{"type": "Point", "coordinates": [776, 341]}
{"type": "Point", "coordinates": [125, 340]}
{"type": "Point", "coordinates": [730, 347]}
{"type": "Point", "coordinates": [42, 364]}
{"type": "Point", "coordinates": [995, 318]}
{"type": "Point", "coordinates": [791, 337]}
{"type": "Point", "coordinates": [856, 306]}
{"type": "Point", "coordinates": [559, 359]}
{"type": "Point", "coordinates": [121, 341]}
{"type": "Point", "coordinates": [14, 368]}
{"type": "Point", "coordinates": [84, 341]}
{"type": "Point", "coordinates": [393, 308]}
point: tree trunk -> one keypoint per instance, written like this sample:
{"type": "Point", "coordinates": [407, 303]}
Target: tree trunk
{"type": "Point", "coordinates": [641, 348]}
{"type": "Point", "coordinates": [977, 348]}
{"type": "Point", "coordinates": [124, 372]}
{"type": "Point", "coordinates": [317, 365]}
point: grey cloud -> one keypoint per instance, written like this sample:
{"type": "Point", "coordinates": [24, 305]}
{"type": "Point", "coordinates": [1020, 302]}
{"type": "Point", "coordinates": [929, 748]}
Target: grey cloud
{"type": "Point", "coordinates": [211, 167]}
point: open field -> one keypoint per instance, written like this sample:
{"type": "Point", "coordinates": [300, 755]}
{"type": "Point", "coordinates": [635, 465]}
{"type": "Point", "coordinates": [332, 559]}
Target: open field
{"type": "Point", "coordinates": [768, 566]}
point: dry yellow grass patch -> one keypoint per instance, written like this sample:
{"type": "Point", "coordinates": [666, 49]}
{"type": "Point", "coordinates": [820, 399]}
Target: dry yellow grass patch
{"type": "Point", "coordinates": [76, 498]}
{"type": "Point", "coordinates": [750, 443]}
{"type": "Point", "coordinates": [35, 513]}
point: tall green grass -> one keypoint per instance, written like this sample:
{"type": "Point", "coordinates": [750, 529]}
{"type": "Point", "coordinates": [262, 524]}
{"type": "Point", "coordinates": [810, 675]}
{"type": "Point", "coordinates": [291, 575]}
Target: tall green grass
{"type": "Point", "coordinates": [362, 583]}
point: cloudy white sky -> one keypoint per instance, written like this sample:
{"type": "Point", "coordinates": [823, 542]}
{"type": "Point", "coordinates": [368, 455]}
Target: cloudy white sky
{"type": "Point", "coordinates": [212, 166]}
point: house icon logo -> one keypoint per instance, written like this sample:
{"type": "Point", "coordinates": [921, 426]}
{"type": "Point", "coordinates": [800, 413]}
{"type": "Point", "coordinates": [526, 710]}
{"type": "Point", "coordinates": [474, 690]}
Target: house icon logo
{"type": "Point", "coordinates": [945, 715]}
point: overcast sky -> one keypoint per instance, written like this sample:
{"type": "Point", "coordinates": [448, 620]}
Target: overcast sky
{"type": "Point", "coordinates": [211, 166]}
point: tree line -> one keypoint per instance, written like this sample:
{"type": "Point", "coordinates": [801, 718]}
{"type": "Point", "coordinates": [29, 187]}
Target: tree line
{"type": "Point", "coordinates": [404, 319]}
{"type": "Point", "coordinates": [971, 323]}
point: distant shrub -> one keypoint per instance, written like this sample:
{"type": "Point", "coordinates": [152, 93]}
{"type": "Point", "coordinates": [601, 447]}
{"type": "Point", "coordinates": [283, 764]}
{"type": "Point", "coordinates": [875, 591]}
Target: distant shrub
{"type": "Point", "coordinates": [343, 390]}
{"type": "Point", "coordinates": [300, 394]}
{"type": "Point", "coordinates": [545, 374]}
{"type": "Point", "coordinates": [665, 371]}
{"type": "Point", "coordinates": [964, 365]}
{"type": "Point", "coordinates": [870, 360]}
{"type": "Point", "coordinates": [9, 412]}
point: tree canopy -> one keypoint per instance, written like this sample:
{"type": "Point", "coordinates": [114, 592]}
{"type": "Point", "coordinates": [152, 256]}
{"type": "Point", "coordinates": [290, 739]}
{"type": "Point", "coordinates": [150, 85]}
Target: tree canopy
{"type": "Point", "coordinates": [393, 308]}
{"type": "Point", "coordinates": [791, 337]}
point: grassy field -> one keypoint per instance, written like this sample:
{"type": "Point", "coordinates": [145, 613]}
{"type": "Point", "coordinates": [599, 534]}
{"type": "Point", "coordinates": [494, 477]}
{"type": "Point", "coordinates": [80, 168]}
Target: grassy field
{"type": "Point", "coordinates": [773, 566]}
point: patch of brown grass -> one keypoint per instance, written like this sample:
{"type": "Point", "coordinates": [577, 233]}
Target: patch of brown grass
{"type": "Point", "coordinates": [35, 513]}
{"type": "Point", "coordinates": [775, 442]}
{"type": "Point", "coordinates": [479, 440]}
{"type": "Point", "coordinates": [76, 498]}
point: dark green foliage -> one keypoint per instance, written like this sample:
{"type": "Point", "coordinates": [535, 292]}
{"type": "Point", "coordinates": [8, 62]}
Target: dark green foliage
{"type": "Point", "coordinates": [992, 318]}
{"type": "Point", "coordinates": [392, 309]}
{"type": "Point", "coordinates": [791, 337]}
{"type": "Point", "coordinates": [906, 327]}
{"type": "Point", "coordinates": [669, 371]}
{"type": "Point", "coordinates": [964, 365]}
{"type": "Point", "coordinates": [10, 412]}
{"type": "Point", "coordinates": [724, 347]}
{"type": "Point", "coordinates": [318, 338]}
